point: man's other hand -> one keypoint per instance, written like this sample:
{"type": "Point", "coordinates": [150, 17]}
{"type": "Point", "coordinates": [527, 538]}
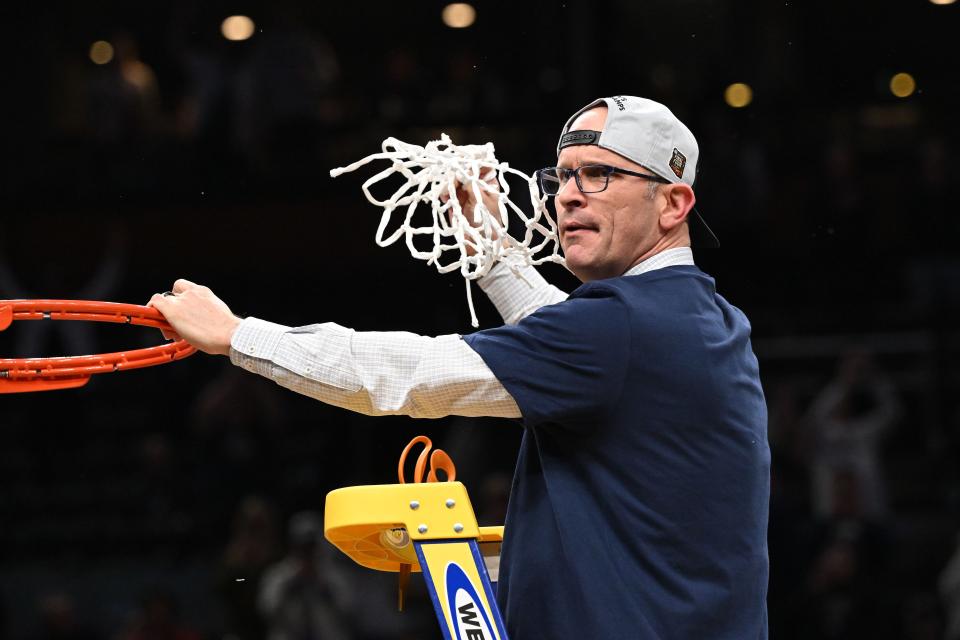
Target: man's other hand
{"type": "Point", "coordinates": [197, 316]}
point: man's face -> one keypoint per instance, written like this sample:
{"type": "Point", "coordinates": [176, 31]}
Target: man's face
{"type": "Point", "coordinates": [603, 234]}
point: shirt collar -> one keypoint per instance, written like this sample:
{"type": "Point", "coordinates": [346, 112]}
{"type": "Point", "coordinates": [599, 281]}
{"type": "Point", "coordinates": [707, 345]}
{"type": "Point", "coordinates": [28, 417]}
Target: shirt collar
{"type": "Point", "coordinates": [668, 258]}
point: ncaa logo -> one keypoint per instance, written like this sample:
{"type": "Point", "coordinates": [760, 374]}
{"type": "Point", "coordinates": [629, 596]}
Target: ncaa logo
{"type": "Point", "coordinates": [470, 621]}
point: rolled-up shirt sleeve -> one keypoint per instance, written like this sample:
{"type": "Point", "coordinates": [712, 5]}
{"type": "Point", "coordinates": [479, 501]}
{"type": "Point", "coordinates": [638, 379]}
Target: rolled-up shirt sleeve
{"type": "Point", "coordinates": [374, 373]}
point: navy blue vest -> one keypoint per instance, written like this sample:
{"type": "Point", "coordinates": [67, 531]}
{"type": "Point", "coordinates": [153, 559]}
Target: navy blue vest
{"type": "Point", "coordinates": [640, 501]}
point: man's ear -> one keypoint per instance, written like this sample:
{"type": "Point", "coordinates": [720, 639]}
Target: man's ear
{"type": "Point", "coordinates": [676, 201]}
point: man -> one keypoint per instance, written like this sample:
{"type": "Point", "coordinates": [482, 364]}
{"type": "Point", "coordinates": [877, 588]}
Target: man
{"type": "Point", "coordinates": [304, 596]}
{"type": "Point", "coordinates": [639, 502]}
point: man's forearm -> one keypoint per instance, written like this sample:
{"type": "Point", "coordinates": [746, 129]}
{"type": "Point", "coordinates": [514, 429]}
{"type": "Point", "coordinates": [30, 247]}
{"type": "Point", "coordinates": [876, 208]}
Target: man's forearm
{"type": "Point", "coordinates": [375, 373]}
{"type": "Point", "coordinates": [517, 297]}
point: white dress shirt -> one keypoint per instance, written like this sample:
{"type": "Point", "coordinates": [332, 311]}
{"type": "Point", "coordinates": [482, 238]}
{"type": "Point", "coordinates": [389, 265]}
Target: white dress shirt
{"type": "Point", "coordinates": [395, 372]}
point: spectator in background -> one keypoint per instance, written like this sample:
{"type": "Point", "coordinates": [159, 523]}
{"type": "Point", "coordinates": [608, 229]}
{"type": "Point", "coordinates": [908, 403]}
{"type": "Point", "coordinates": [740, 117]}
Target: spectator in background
{"type": "Point", "coordinates": [494, 494]}
{"type": "Point", "coordinates": [59, 620]}
{"type": "Point", "coordinates": [286, 97]}
{"type": "Point", "coordinates": [124, 97]}
{"type": "Point", "coordinates": [842, 593]}
{"type": "Point", "coordinates": [850, 417]}
{"type": "Point", "coordinates": [949, 587]}
{"type": "Point", "coordinates": [53, 280]}
{"type": "Point", "coordinates": [304, 596]}
{"type": "Point", "coordinates": [403, 86]}
{"type": "Point", "coordinates": [158, 620]}
{"type": "Point", "coordinates": [236, 426]}
{"type": "Point", "coordinates": [165, 491]}
{"type": "Point", "coordinates": [251, 549]}
{"type": "Point", "coordinates": [921, 617]}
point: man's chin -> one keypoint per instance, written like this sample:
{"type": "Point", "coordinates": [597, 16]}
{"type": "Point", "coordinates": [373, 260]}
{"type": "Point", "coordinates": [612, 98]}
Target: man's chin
{"type": "Point", "coordinates": [588, 271]}
{"type": "Point", "coordinates": [579, 267]}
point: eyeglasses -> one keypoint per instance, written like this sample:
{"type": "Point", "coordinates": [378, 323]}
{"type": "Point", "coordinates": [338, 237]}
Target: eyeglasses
{"type": "Point", "coordinates": [591, 178]}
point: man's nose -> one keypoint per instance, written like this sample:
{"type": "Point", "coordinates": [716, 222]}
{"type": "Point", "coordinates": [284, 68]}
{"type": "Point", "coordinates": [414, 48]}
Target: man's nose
{"type": "Point", "coordinates": [570, 196]}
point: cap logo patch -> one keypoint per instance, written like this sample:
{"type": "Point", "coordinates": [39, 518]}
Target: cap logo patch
{"type": "Point", "coordinates": [582, 136]}
{"type": "Point", "coordinates": [678, 162]}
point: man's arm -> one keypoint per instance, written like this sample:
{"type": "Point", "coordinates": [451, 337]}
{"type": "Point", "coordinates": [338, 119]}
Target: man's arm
{"type": "Point", "coordinates": [374, 373]}
{"type": "Point", "coordinates": [517, 297]}
{"type": "Point", "coordinates": [369, 372]}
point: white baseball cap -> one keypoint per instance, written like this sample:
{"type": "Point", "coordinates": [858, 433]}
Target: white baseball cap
{"type": "Point", "coordinates": [649, 134]}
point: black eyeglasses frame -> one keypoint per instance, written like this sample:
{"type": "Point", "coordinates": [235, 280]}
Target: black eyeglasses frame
{"type": "Point", "coordinates": [564, 175]}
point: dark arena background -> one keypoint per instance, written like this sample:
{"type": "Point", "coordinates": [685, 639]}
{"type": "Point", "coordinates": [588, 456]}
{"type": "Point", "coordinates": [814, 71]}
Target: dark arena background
{"type": "Point", "coordinates": [141, 144]}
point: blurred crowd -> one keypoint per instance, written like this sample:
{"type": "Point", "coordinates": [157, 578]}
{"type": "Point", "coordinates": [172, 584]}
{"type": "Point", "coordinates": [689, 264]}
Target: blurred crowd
{"type": "Point", "coordinates": [184, 502]}
{"type": "Point", "coordinates": [863, 528]}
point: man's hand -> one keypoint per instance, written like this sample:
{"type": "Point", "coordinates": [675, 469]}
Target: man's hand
{"type": "Point", "coordinates": [197, 316]}
{"type": "Point", "coordinates": [468, 202]}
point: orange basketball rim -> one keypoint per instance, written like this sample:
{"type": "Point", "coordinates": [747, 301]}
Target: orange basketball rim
{"type": "Point", "coordinates": [18, 375]}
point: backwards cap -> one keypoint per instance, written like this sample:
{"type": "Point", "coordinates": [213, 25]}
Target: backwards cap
{"type": "Point", "coordinates": [649, 134]}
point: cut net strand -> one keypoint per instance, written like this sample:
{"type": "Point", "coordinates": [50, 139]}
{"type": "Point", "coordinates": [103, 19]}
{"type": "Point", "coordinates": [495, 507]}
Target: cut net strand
{"type": "Point", "coordinates": [432, 174]}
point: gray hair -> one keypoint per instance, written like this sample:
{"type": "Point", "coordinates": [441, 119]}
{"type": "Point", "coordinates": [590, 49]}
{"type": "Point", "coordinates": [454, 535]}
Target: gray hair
{"type": "Point", "coordinates": [652, 188]}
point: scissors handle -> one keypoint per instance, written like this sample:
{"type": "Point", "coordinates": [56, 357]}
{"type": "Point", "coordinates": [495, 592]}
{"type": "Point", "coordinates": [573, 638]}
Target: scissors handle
{"type": "Point", "coordinates": [439, 461]}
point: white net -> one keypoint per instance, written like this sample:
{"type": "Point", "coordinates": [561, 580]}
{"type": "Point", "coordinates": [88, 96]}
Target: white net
{"type": "Point", "coordinates": [433, 173]}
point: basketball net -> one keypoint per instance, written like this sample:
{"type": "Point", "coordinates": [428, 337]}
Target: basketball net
{"type": "Point", "coordinates": [473, 246]}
